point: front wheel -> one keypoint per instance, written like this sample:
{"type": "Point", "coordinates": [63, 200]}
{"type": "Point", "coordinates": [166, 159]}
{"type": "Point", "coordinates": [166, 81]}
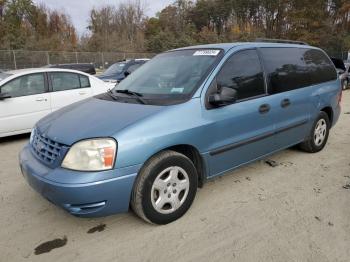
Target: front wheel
{"type": "Point", "coordinates": [165, 188]}
{"type": "Point", "coordinates": [318, 136]}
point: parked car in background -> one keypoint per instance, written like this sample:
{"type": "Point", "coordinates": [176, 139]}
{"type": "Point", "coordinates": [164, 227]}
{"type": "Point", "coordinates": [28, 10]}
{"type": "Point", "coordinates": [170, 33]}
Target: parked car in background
{"type": "Point", "coordinates": [119, 71]}
{"type": "Point", "coordinates": [83, 67]}
{"type": "Point", "coordinates": [30, 94]}
{"type": "Point", "coordinates": [342, 71]}
{"type": "Point", "coordinates": [346, 76]}
{"type": "Point", "coordinates": [187, 116]}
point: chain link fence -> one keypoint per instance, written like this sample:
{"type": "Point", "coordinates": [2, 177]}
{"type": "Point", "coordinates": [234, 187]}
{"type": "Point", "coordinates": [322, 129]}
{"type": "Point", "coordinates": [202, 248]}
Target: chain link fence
{"type": "Point", "coordinates": [344, 55]}
{"type": "Point", "coordinates": [19, 59]}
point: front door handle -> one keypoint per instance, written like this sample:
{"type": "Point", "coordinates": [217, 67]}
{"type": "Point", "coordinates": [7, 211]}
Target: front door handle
{"type": "Point", "coordinates": [285, 103]}
{"type": "Point", "coordinates": [263, 109]}
{"type": "Point", "coordinates": [40, 99]}
{"type": "Point", "coordinates": [82, 93]}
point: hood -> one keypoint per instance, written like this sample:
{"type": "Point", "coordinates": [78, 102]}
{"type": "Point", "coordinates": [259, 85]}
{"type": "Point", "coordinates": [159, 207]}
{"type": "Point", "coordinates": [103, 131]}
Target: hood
{"type": "Point", "coordinates": [91, 118]}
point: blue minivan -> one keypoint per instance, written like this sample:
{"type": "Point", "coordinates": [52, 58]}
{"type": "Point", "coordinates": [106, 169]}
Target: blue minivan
{"type": "Point", "coordinates": [185, 117]}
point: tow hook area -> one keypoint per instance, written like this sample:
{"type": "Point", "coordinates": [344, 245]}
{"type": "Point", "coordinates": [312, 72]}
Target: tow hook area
{"type": "Point", "coordinates": [84, 208]}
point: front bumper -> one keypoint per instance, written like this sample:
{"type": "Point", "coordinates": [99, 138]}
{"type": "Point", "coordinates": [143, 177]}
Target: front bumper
{"type": "Point", "coordinates": [88, 197]}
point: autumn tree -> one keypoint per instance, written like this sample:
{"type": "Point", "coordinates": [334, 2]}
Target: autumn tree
{"type": "Point", "coordinates": [24, 25]}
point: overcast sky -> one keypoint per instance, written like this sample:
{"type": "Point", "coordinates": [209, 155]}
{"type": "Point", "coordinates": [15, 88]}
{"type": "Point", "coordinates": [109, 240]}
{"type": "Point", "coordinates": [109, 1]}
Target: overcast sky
{"type": "Point", "coordinates": [79, 9]}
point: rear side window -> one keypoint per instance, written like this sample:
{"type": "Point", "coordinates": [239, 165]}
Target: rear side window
{"type": "Point", "coordinates": [64, 81]}
{"type": "Point", "coordinates": [320, 67]}
{"type": "Point", "coordinates": [243, 72]}
{"type": "Point", "coordinates": [285, 69]}
{"type": "Point", "coordinates": [84, 81]}
{"type": "Point", "coordinates": [292, 68]}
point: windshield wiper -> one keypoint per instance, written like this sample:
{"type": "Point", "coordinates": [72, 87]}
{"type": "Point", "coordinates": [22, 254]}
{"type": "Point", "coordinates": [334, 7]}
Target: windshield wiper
{"type": "Point", "coordinates": [132, 93]}
{"type": "Point", "coordinates": [111, 94]}
{"type": "Point", "coordinates": [127, 91]}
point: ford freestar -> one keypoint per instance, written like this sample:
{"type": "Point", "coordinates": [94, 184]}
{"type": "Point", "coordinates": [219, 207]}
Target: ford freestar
{"type": "Point", "coordinates": [186, 116]}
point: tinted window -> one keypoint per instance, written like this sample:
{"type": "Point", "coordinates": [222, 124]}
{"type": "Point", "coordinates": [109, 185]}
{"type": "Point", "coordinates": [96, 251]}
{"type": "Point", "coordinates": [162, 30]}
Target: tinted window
{"type": "Point", "coordinates": [285, 68]}
{"type": "Point", "coordinates": [292, 68]}
{"type": "Point", "coordinates": [64, 81]}
{"type": "Point", "coordinates": [243, 73]}
{"type": "Point", "coordinates": [319, 65]}
{"type": "Point", "coordinates": [84, 81]}
{"type": "Point", "coordinates": [25, 85]}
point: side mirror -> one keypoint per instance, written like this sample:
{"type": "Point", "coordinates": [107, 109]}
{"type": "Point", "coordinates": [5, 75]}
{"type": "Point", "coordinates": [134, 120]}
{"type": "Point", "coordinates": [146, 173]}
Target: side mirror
{"type": "Point", "coordinates": [224, 96]}
{"type": "Point", "coordinates": [4, 96]}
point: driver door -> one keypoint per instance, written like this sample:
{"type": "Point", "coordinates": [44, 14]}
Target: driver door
{"type": "Point", "coordinates": [28, 102]}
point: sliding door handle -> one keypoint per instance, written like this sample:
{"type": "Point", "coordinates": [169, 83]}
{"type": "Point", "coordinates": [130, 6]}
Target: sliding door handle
{"type": "Point", "coordinates": [263, 109]}
{"type": "Point", "coordinates": [285, 103]}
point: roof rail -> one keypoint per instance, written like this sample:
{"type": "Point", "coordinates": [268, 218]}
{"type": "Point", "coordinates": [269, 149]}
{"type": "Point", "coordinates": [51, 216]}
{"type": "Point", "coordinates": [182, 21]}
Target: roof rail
{"type": "Point", "coordinates": [281, 41]}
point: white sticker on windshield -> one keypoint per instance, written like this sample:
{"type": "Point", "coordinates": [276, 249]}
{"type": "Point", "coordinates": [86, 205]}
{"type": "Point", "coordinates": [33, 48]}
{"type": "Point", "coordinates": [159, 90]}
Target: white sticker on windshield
{"type": "Point", "coordinates": [207, 52]}
{"type": "Point", "coordinates": [177, 90]}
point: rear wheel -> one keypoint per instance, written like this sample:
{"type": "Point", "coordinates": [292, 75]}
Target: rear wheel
{"type": "Point", "coordinates": [318, 136]}
{"type": "Point", "coordinates": [165, 188]}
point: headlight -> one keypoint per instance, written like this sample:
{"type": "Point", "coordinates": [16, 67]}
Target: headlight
{"type": "Point", "coordinates": [91, 155]}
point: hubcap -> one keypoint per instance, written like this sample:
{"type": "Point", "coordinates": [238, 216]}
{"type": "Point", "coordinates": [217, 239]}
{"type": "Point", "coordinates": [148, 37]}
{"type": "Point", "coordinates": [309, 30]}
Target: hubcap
{"type": "Point", "coordinates": [320, 132]}
{"type": "Point", "coordinates": [170, 190]}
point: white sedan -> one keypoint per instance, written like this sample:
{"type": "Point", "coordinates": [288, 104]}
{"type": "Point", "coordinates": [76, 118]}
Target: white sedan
{"type": "Point", "coordinates": [28, 95]}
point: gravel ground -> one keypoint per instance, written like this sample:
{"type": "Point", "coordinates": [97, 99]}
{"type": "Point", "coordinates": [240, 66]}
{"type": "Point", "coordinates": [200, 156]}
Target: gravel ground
{"type": "Point", "coordinates": [295, 207]}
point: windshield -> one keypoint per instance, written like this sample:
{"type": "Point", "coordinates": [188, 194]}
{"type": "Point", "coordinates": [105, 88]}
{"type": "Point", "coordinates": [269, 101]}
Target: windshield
{"type": "Point", "coordinates": [4, 75]}
{"type": "Point", "coordinates": [114, 69]}
{"type": "Point", "coordinates": [173, 75]}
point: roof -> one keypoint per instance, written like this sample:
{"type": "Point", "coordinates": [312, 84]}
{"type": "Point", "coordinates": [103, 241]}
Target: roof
{"type": "Point", "coordinates": [41, 70]}
{"type": "Point", "coordinates": [227, 46]}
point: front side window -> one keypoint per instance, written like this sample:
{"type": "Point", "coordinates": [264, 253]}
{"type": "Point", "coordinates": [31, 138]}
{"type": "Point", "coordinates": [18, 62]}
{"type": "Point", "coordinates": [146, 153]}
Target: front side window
{"type": "Point", "coordinates": [64, 81]}
{"type": "Point", "coordinates": [25, 85]}
{"type": "Point", "coordinates": [243, 72]}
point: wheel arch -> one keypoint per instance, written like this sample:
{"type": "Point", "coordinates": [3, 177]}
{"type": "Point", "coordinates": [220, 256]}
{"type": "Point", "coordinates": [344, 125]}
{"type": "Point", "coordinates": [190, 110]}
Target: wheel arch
{"type": "Point", "coordinates": [193, 154]}
{"type": "Point", "coordinates": [329, 111]}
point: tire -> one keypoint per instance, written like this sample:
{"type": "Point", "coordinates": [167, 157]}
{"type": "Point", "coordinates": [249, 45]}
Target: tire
{"type": "Point", "coordinates": [318, 136]}
{"type": "Point", "coordinates": [165, 188]}
{"type": "Point", "coordinates": [345, 84]}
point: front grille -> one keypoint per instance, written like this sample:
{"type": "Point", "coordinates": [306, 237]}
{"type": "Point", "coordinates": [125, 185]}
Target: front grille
{"type": "Point", "coordinates": [45, 149]}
